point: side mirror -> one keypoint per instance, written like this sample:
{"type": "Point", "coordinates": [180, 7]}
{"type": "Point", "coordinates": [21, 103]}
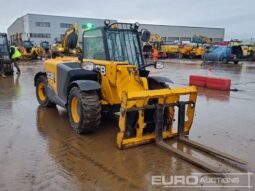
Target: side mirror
{"type": "Point", "coordinates": [145, 36]}
{"type": "Point", "coordinates": [159, 65]}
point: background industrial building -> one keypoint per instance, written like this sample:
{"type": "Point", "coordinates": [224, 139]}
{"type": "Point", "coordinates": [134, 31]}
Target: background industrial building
{"type": "Point", "coordinates": [50, 28]}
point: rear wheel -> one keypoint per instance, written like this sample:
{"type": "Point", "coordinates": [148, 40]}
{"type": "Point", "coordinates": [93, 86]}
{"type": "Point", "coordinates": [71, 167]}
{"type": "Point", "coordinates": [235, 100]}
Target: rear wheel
{"type": "Point", "coordinates": [235, 62]}
{"type": "Point", "coordinates": [84, 110]}
{"type": "Point", "coordinates": [34, 55]}
{"type": "Point", "coordinates": [8, 69]}
{"type": "Point", "coordinates": [41, 94]}
{"type": "Point", "coordinates": [224, 60]}
{"type": "Point", "coordinates": [191, 56]}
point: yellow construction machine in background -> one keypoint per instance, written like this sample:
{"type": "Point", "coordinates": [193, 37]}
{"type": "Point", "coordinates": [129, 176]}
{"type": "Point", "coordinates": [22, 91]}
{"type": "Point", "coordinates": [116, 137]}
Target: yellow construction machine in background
{"type": "Point", "coordinates": [29, 51]}
{"type": "Point", "coordinates": [45, 46]}
{"type": "Point", "coordinates": [70, 43]}
{"type": "Point", "coordinates": [165, 50]}
{"type": "Point", "coordinates": [185, 50]}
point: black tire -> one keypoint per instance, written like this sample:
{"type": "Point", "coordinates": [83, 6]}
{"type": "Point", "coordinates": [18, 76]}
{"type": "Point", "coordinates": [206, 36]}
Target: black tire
{"type": "Point", "coordinates": [224, 60]}
{"type": "Point", "coordinates": [42, 81]}
{"type": "Point", "coordinates": [89, 110]}
{"type": "Point", "coordinates": [35, 56]}
{"type": "Point", "coordinates": [191, 56]}
{"type": "Point", "coordinates": [236, 62]}
{"type": "Point", "coordinates": [8, 69]}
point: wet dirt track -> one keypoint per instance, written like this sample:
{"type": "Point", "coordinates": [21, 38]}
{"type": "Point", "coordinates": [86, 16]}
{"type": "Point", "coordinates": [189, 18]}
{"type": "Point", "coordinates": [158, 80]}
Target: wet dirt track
{"type": "Point", "coordinates": [40, 151]}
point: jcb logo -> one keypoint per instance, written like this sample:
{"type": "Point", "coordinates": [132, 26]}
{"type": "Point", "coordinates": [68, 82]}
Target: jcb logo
{"type": "Point", "coordinates": [101, 68]}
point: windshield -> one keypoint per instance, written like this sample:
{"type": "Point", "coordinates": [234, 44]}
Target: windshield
{"type": "Point", "coordinates": [3, 44]}
{"type": "Point", "coordinates": [124, 46]}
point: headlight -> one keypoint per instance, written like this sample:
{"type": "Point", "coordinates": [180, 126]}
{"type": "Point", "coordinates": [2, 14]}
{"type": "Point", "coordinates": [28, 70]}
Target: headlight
{"type": "Point", "coordinates": [88, 66]}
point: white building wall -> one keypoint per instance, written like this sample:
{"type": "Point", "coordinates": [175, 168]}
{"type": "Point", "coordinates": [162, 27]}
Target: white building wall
{"type": "Point", "coordinates": [16, 29]}
{"type": "Point", "coordinates": [183, 32]}
{"type": "Point", "coordinates": [27, 24]}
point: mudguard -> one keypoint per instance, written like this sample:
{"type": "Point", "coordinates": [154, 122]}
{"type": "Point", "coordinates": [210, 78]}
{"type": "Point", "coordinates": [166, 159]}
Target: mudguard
{"type": "Point", "coordinates": [37, 76]}
{"type": "Point", "coordinates": [85, 85]}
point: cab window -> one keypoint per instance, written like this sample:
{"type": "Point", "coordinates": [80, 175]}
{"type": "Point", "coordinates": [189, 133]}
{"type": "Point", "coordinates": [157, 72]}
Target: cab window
{"type": "Point", "coordinates": [94, 45]}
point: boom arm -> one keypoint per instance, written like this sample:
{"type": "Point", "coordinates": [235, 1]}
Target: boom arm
{"type": "Point", "coordinates": [68, 32]}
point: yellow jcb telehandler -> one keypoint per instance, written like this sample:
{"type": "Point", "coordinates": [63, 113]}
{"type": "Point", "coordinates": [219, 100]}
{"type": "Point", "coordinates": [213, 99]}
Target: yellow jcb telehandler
{"type": "Point", "coordinates": [111, 76]}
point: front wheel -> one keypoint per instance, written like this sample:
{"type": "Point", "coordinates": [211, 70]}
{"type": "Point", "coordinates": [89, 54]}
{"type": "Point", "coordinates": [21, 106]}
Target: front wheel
{"type": "Point", "coordinates": [41, 93]}
{"type": "Point", "coordinates": [84, 110]}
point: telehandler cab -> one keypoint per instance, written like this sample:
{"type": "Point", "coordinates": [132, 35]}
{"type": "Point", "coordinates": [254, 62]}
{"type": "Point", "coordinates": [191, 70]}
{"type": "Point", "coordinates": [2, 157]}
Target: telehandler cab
{"type": "Point", "coordinates": [111, 76]}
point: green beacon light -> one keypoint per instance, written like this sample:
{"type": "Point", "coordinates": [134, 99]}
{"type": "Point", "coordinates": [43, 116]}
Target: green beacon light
{"type": "Point", "coordinates": [89, 25]}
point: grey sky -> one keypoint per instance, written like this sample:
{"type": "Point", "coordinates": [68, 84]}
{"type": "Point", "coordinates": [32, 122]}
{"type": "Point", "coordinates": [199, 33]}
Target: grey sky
{"type": "Point", "coordinates": [236, 16]}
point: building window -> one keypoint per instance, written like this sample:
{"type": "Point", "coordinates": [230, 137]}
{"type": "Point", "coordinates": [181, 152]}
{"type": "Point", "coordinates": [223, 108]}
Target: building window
{"type": "Point", "coordinates": [42, 24]}
{"type": "Point", "coordinates": [40, 35]}
{"type": "Point", "coordinates": [172, 39]}
{"type": "Point", "coordinates": [186, 39]}
{"type": "Point", "coordinates": [62, 37]}
{"type": "Point", "coordinates": [65, 25]}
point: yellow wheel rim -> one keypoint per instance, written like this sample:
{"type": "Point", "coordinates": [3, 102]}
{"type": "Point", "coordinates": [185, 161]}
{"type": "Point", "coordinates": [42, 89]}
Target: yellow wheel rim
{"type": "Point", "coordinates": [41, 91]}
{"type": "Point", "coordinates": [75, 109]}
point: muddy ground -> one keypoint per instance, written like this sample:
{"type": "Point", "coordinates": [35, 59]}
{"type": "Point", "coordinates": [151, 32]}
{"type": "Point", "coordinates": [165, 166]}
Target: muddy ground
{"type": "Point", "coordinates": [40, 151]}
